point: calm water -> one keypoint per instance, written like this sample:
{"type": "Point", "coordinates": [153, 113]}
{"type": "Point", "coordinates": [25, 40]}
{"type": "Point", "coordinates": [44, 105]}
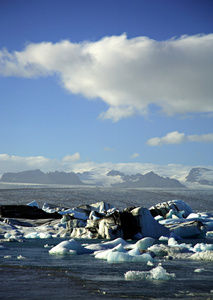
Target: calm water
{"type": "Point", "coordinates": [44, 276]}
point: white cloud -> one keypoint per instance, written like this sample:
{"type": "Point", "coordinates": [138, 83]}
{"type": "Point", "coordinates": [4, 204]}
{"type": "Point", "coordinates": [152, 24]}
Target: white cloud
{"type": "Point", "coordinates": [127, 74]}
{"type": "Point", "coordinates": [177, 138]}
{"type": "Point", "coordinates": [135, 155]}
{"type": "Point", "coordinates": [71, 158]}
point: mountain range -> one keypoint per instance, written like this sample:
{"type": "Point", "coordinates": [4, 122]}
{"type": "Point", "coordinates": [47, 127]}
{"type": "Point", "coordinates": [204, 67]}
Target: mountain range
{"type": "Point", "coordinates": [113, 178]}
{"type": "Point", "coordinates": [38, 177]}
{"type": "Point", "coordinates": [148, 180]}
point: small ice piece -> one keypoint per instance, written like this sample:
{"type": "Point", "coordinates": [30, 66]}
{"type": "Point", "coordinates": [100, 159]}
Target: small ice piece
{"type": "Point", "coordinates": [159, 218]}
{"type": "Point", "coordinates": [44, 235]}
{"type": "Point", "coordinates": [193, 216]}
{"type": "Point", "coordinates": [7, 235]}
{"type": "Point", "coordinates": [159, 250]}
{"type": "Point", "coordinates": [163, 238]}
{"type": "Point", "coordinates": [117, 257]}
{"type": "Point", "coordinates": [209, 234]}
{"type": "Point", "coordinates": [199, 270]}
{"type": "Point", "coordinates": [7, 256]}
{"type": "Point", "coordinates": [21, 257]}
{"type": "Point", "coordinates": [134, 252]}
{"type": "Point", "coordinates": [172, 242]}
{"type": "Point", "coordinates": [205, 255]}
{"type": "Point", "coordinates": [145, 243]}
{"type": "Point", "coordinates": [103, 254]}
{"type": "Point", "coordinates": [48, 246]}
{"type": "Point", "coordinates": [69, 247]}
{"type": "Point", "coordinates": [31, 235]}
{"type": "Point", "coordinates": [199, 247]}
{"type": "Point", "coordinates": [158, 273]}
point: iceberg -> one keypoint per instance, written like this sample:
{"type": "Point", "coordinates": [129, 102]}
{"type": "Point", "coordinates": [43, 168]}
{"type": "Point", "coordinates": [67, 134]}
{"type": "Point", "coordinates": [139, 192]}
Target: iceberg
{"type": "Point", "coordinates": [69, 247]}
{"type": "Point", "coordinates": [103, 221]}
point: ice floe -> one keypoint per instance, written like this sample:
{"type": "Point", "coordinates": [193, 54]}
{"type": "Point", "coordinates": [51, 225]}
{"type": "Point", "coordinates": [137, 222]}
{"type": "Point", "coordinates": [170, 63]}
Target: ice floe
{"type": "Point", "coordinates": [69, 247]}
{"type": "Point", "coordinates": [157, 273]}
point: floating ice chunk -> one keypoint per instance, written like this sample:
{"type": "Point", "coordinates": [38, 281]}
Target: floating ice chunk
{"type": "Point", "coordinates": [159, 218]}
{"type": "Point", "coordinates": [108, 245]}
{"type": "Point", "coordinates": [119, 254]}
{"type": "Point", "coordinates": [158, 273]}
{"type": "Point", "coordinates": [163, 238]}
{"type": "Point", "coordinates": [134, 251]}
{"type": "Point", "coordinates": [159, 250]}
{"type": "Point", "coordinates": [193, 216]}
{"type": "Point", "coordinates": [69, 247]}
{"type": "Point", "coordinates": [38, 235]}
{"type": "Point", "coordinates": [145, 243]}
{"type": "Point", "coordinates": [7, 256]}
{"type": "Point", "coordinates": [199, 270]}
{"type": "Point", "coordinates": [44, 235]}
{"type": "Point", "coordinates": [21, 257]}
{"type": "Point", "coordinates": [48, 246]}
{"type": "Point", "coordinates": [199, 247]}
{"type": "Point", "coordinates": [172, 242]}
{"type": "Point", "coordinates": [115, 257]}
{"type": "Point", "coordinates": [7, 235]}
{"type": "Point", "coordinates": [104, 254]}
{"type": "Point", "coordinates": [209, 234]}
{"type": "Point", "coordinates": [205, 255]}
{"type": "Point", "coordinates": [114, 243]}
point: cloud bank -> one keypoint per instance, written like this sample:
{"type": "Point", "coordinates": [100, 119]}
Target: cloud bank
{"type": "Point", "coordinates": [98, 171]}
{"type": "Point", "coordinates": [129, 75]}
{"type": "Point", "coordinates": [176, 137]}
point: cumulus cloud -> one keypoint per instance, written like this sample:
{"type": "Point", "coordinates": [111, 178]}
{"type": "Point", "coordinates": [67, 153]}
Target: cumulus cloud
{"type": "Point", "coordinates": [72, 158]}
{"type": "Point", "coordinates": [127, 74]}
{"type": "Point", "coordinates": [176, 137]}
{"type": "Point", "coordinates": [135, 155]}
{"type": "Point", "coordinates": [11, 163]}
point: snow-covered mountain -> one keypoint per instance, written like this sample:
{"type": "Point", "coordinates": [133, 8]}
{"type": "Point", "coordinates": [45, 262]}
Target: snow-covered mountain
{"type": "Point", "coordinates": [145, 181]}
{"type": "Point", "coordinates": [38, 177]}
{"type": "Point", "coordinates": [201, 176]}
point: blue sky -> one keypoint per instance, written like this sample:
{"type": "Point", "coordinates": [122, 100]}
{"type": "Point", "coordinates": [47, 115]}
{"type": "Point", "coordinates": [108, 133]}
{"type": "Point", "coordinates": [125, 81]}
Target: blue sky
{"type": "Point", "coordinates": [87, 83]}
